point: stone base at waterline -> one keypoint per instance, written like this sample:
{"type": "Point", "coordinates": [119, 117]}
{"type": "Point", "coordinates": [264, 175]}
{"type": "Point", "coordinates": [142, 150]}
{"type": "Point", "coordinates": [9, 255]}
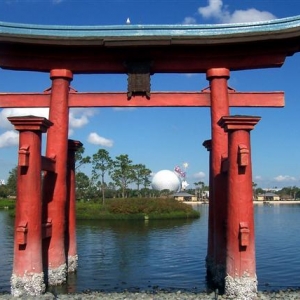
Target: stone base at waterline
{"type": "Point", "coordinates": [241, 288]}
{"type": "Point", "coordinates": [72, 263]}
{"type": "Point", "coordinates": [31, 284]}
{"type": "Point", "coordinates": [58, 275]}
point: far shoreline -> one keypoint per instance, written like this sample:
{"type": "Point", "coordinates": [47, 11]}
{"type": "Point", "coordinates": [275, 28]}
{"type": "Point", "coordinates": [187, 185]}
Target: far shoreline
{"type": "Point", "coordinates": [254, 202]}
{"type": "Point", "coordinates": [278, 202]}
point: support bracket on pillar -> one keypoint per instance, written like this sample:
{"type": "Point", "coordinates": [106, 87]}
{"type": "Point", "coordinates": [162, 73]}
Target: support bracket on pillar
{"type": "Point", "coordinates": [24, 156]}
{"type": "Point", "coordinates": [243, 155]}
{"type": "Point", "coordinates": [244, 234]}
{"type": "Point", "coordinates": [21, 233]}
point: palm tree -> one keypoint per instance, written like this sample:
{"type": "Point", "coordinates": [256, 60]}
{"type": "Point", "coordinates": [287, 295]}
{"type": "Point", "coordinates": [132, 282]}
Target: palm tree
{"type": "Point", "coordinates": [102, 163]}
{"type": "Point", "coordinates": [201, 186]}
{"type": "Point", "coordinates": [122, 172]}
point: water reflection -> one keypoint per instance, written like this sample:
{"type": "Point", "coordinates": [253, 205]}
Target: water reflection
{"type": "Point", "coordinates": [6, 257]}
{"type": "Point", "coordinates": [139, 254]}
{"type": "Point", "coordinates": [169, 254]}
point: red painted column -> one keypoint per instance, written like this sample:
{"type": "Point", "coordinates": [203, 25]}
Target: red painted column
{"type": "Point", "coordinates": [71, 244]}
{"type": "Point", "coordinates": [210, 239]}
{"type": "Point", "coordinates": [55, 184]}
{"type": "Point", "coordinates": [28, 276]}
{"type": "Point", "coordinates": [218, 78]}
{"type": "Point", "coordinates": [241, 281]}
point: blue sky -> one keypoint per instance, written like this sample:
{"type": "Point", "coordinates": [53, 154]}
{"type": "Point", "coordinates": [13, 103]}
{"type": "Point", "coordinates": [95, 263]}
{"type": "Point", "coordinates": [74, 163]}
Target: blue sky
{"type": "Point", "coordinates": [162, 138]}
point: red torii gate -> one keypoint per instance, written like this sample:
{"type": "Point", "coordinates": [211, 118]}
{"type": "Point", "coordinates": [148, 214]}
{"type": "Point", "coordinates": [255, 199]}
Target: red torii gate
{"type": "Point", "coordinates": [139, 51]}
{"type": "Point", "coordinates": [54, 215]}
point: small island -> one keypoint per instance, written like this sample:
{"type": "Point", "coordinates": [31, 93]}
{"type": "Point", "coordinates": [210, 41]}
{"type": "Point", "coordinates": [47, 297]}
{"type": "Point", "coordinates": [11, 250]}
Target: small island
{"type": "Point", "coordinates": [126, 209]}
{"type": "Point", "coordinates": [137, 209]}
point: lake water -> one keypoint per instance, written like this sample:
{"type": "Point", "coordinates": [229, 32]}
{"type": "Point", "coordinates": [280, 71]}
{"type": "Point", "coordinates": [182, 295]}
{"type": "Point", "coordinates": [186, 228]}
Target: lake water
{"type": "Point", "coordinates": [168, 254]}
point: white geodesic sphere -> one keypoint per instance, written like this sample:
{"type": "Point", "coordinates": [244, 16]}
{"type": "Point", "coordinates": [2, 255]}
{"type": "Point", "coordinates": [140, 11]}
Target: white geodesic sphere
{"type": "Point", "coordinates": [166, 180]}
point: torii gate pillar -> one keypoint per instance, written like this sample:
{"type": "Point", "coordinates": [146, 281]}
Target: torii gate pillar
{"type": "Point", "coordinates": [55, 184]}
{"type": "Point", "coordinates": [70, 241]}
{"type": "Point", "coordinates": [28, 276]}
{"type": "Point", "coordinates": [210, 235]}
{"type": "Point", "coordinates": [215, 261]}
{"type": "Point", "coordinates": [240, 280]}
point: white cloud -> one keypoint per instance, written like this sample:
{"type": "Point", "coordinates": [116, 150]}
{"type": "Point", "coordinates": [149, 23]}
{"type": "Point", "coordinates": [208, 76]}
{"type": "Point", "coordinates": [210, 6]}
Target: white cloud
{"type": "Point", "coordinates": [96, 139]}
{"type": "Point", "coordinates": [250, 15]}
{"type": "Point", "coordinates": [216, 10]}
{"type": "Point", "coordinates": [212, 10]}
{"type": "Point", "coordinates": [189, 20]}
{"type": "Point", "coordinates": [8, 112]}
{"type": "Point", "coordinates": [79, 117]}
{"type": "Point", "coordinates": [199, 175]}
{"type": "Point", "coordinates": [189, 75]}
{"type": "Point", "coordinates": [284, 178]}
{"type": "Point", "coordinates": [9, 138]}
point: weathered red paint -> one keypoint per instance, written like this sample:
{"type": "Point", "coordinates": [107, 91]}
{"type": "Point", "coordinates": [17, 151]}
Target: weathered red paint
{"type": "Point", "coordinates": [168, 58]}
{"type": "Point", "coordinates": [219, 146]}
{"type": "Point", "coordinates": [28, 221]}
{"type": "Point", "coordinates": [240, 256]}
{"type": "Point", "coordinates": [55, 184]}
{"type": "Point", "coordinates": [70, 240]}
{"type": "Point", "coordinates": [158, 99]}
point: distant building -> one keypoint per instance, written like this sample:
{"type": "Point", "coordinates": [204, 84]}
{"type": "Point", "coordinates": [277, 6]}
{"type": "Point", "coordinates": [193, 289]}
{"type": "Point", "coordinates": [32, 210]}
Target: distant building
{"type": "Point", "coordinates": [286, 197]}
{"type": "Point", "coordinates": [268, 197]}
{"type": "Point", "coordinates": [183, 196]}
{"type": "Point", "coordinates": [205, 194]}
{"type": "Point", "coordinates": [275, 189]}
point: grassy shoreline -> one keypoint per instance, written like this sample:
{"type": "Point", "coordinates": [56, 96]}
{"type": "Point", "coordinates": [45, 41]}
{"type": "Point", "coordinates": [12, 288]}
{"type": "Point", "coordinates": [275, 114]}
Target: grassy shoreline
{"type": "Point", "coordinates": [137, 209]}
{"type": "Point", "coordinates": [126, 209]}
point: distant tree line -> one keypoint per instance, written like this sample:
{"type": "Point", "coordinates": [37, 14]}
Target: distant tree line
{"type": "Point", "coordinates": [290, 192]}
{"type": "Point", "coordinates": [123, 174]}
{"type": "Point", "coordinates": [126, 179]}
{"type": "Point", "coordinates": [10, 188]}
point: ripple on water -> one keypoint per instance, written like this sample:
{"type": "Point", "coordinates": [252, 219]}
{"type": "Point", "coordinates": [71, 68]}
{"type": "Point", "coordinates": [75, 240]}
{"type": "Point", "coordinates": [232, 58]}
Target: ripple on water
{"type": "Point", "coordinates": [168, 254]}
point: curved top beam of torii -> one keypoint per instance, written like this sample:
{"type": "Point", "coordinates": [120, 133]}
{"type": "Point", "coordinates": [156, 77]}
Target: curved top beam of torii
{"type": "Point", "coordinates": [169, 48]}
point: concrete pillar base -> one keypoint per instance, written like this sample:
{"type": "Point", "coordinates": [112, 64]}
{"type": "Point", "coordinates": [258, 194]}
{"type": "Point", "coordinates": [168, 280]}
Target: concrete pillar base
{"type": "Point", "coordinates": [31, 284]}
{"type": "Point", "coordinates": [72, 263]}
{"type": "Point", "coordinates": [241, 288]}
{"type": "Point", "coordinates": [57, 276]}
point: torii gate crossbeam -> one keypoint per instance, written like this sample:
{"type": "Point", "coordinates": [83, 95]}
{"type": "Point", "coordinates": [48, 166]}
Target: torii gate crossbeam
{"type": "Point", "coordinates": [158, 99]}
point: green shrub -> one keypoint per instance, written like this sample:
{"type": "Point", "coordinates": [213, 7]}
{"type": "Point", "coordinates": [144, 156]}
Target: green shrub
{"type": "Point", "coordinates": [126, 209]}
{"type": "Point", "coordinates": [7, 203]}
{"type": "Point", "coordinates": [136, 208]}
